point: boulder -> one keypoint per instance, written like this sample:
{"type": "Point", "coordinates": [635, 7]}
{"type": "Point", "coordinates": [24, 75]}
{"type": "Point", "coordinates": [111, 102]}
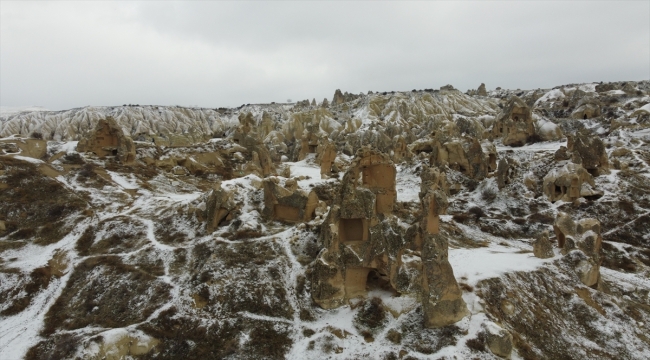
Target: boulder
{"type": "Point", "coordinates": [542, 247]}
{"type": "Point", "coordinates": [218, 206]}
{"type": "Point", "coordinates": [498, 340]}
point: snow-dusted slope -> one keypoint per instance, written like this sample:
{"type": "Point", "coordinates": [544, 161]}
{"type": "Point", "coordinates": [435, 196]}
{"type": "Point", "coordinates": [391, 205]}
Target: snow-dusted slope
{"type": "Point", "coordinates": [101, 260]}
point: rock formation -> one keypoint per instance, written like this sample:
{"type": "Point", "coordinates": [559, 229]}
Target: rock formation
{"type": "Point", "coordinates": [566, 183]}
{"type": "Point", "coordinates": [504, 173]}
{"type": "Point", "coordinates": [288, 203]}
{"type": "Point", "coordinates": [218, 207]}
{"type": "Point", "coordinates": [244, 135]}
{"type": "Point", "coordinates": [338, 98]}
{"type": "Point", "coordinates": [442, 299]}
{"type": "Point", "coordinates": [542, 247]}
{"type": "Point", "coordinates": [481, 90]}
{"type": "Point", "coordinates": [326, 156]}
{"type": "Point", "coordinates": [584, 236]}
{"type": "Point", "coordinates": [308, 144]}
{"type": "Point", "coordinates": [589, 151]}
{"type": "Point", "coordinates": [400, 149]}
{"type": "Point", "coordinates": [365, 247]}
{"type": "Point", "coordinates": [515, 123]}
{"type": "Point", "coordinates": [461, 154]}
{"type": "Point", "coordinates": [108, 139]}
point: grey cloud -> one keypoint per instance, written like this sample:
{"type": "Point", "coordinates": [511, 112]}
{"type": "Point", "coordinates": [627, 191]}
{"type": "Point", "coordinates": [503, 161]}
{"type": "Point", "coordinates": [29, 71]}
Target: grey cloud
{"type": "Point", "coordinates": [227, 53]}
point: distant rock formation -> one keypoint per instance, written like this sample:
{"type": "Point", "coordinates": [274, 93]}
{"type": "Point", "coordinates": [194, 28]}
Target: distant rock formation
{"type": "Point", "coordinates": [108, 139]}
{"type": "Point", "coordinates": [515, 123]}
{"type": "Point", "coordinates": [481, 90]}
{"type": "Point", "coordinates": [244, 135]}
{"type": "Point", "coordinates": [338, 98]}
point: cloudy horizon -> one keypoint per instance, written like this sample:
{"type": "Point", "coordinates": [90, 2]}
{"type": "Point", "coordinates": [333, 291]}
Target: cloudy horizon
{"type": "Point", "coordinates": [61, 55]}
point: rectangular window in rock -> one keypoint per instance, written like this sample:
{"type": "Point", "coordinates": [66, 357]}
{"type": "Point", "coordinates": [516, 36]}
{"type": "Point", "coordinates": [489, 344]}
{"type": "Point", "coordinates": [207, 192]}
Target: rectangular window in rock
{"type": "Point", "coordinates": [353, 230]}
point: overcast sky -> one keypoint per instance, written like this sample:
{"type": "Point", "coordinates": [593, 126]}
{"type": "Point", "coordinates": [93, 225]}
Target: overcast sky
{"type": "Point", "coordinates": [68, 54]}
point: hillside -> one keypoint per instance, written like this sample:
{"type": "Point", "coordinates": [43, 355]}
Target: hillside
{"type": "Point", "coordinates": [423, 224]}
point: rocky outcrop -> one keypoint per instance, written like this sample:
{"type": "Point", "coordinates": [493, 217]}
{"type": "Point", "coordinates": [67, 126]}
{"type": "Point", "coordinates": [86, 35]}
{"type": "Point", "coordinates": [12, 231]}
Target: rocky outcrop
{"type": "Point", "coordinates": [461, 154]}
{"type": "Point", "coordinates": [338, 98]}
{"type": "Point", "coordinates": [365, 246]}
{"type": "Point", "coordinates": [514, 124]}
{"type": "Point", "coordinates": [218, 207]}
{"type": "Point", "coordinates": [245, 135]}
{"type": "Point", "coordinates": [542, 247]}
{"type": "Point", "coordinates": [442, 299]}
{"type": "Point", "coordinates": [568, 183]}
{"type": "Point", "coordinates": [584, 236]}
{"type": "Point", "coordinates": [505, 172]}
{"type": "Point", "coordinates": [288, 203]}
{"type": "Point", "coordinates": [589, 151]}
{"type": "Point", "coordinates": [498, 339]}
{"type": "Point", "coordinates": [481, 90]}
{"type": "Point", "coordinates": [325, 157]}
{"type": "Point", "coordinates": [108, 139]}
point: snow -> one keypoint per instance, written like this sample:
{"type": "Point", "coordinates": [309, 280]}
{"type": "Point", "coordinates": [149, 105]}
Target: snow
{"type": "Point", "coordinates": [309, 170]}
{"type": "Point", "coordinates": [19, 332]}
{"type": "Point", "coordinates": [541, 146]}
{"type": "Point", "coordinates": [474, 265]}
{"type": "Point", "coordinates": [54, 147]}
{"type": "Point", "coordinates": [126, 183]}
{"type": "Point", "coordinates": [28, 159]}
{"type": "Point", "coordinates": [551, 95]}
{"type": "Point", "coordinates": [408, 185]}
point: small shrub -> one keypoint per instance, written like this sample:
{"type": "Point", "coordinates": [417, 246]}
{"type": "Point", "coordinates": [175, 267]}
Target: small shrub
{"type": "Point", "coordinates": [466, 287]}
{"type": "Point", "coordinates": [488, 193]}
{"type": "Point", "coordinates": [477, 212]}
{"type": "Point", "coordinates": [394, 336]}
{"type": "Point", "coordinates": [371, 317]}
{"type": "Point", "coordinates": [87, 171]}
{"type": "Point", "coordinates": [477, 343]}
{"type": "Point", "coordinates": [37, 135]}
{"type": "Point", "coordinates": [460, 218]}
{"type": "Point", "coordinates": [73, 158]}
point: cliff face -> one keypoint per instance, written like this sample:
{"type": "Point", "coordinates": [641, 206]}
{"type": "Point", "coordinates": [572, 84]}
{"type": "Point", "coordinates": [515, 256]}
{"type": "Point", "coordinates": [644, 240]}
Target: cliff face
{"type": "Point", "coordinates": [383, 226]}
